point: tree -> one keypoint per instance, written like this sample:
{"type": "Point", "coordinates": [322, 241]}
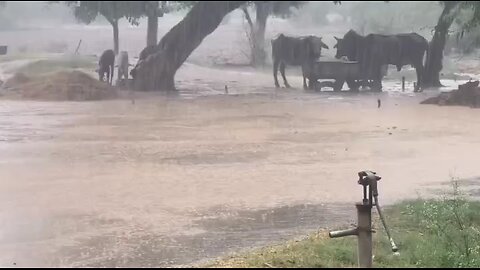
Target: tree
{"type": "Point", "coordinates": [433, 64]}
{"type": "Point", "coordinates": [256, 33]}
{"type": "Point", "coordinates": [469, 36]}
{"type": "Point", "coordinates": [112, 11]}
{"type": "Point", "coordinates": [474, 21]}
{"type": "Point", "coordinates": [153, 10]}
{"type": "Point", "coordinates": [451, 11]}
{"type": "Point", "coordinates": [156, 9]}
{"type": "Point", "coordinates": [157, 71]}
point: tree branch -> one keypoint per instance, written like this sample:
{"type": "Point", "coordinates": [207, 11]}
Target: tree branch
{"type": "Point", "coordinates": [247, 16]}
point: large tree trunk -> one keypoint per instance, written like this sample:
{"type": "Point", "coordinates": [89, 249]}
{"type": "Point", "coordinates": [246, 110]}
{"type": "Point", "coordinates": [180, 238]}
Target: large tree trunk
{"type": "Point", "coordinates": [152, 23]}
{"type": "Point", "coordinates": [115, 36]}
{"type": "Point", "coordinates": [157, 72]}
{"type": "Point", "coordinates": [258, 34]}
{"type": "Point", "coordinates": [433, 64]}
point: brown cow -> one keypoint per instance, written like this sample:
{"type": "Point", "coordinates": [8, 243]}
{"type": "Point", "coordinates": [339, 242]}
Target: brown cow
{"type": "Point", "coordinates": [294, 51]}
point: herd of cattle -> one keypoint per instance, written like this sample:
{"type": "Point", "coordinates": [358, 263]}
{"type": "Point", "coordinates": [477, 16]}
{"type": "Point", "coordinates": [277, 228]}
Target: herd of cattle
{"type": "Point", "coordinates": [106, 64]}
{"type": "Point", "coordinates": [371, 53]}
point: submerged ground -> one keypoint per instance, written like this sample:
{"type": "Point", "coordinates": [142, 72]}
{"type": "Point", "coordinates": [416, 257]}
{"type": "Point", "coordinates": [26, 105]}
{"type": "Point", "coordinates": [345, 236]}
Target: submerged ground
{"type": "Point", "coordinates": [171, 180]}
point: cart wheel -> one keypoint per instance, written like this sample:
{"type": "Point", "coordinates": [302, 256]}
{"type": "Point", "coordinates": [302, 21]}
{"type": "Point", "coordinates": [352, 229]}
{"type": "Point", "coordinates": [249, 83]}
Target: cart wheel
{"type": "Point", "coordinates": [376, 86]}
{"type": "Point", "coordinates": [318, 86]}
{"type": "Point", "coordinates": [365, 84]}
{"type": "Point", "coordinates": [353, 86]}
{"type": "Point", "coordinates": [312, 84]}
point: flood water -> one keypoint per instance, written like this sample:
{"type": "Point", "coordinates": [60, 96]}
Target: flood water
{"type": "Point", "coordinates": [173, 180]}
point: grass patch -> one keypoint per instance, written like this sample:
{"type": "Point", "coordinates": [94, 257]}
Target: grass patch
{"type": "Point", "coordinates": [45, 66]}
{"type": "Point", "coordinates": [431, 233]}
{"type": "Point", "coordinates": [23, 56]}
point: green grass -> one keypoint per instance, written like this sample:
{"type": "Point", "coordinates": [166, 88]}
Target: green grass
{"type": "Point", "coordinates": [433, 233]}
{"type": "Point", "coordinates": [45, 66]}
{"type": "Point", "coordinates": [23, 56]}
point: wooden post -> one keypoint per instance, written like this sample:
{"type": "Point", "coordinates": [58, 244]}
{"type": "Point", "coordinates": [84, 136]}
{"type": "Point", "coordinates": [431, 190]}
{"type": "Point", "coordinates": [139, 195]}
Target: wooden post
{"type": "Point", "coordinates": [78, 46]}
{"type": "Point", "coordinates": [403, 83]}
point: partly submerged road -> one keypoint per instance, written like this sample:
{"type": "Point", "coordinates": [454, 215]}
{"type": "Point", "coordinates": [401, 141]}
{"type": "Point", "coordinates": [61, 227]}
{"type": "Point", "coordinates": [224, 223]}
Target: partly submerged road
{"type": "Point", "coordinates": [168, 181]}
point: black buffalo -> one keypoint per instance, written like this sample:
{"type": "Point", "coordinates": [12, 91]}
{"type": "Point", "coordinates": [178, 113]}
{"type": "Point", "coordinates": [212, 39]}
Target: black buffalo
{"type": "Point", "coordinates": [374, 51]}
{"type": "Point", "coordinates": [294, 51]}
{"type": "Point", "coordinates": [106, 65]}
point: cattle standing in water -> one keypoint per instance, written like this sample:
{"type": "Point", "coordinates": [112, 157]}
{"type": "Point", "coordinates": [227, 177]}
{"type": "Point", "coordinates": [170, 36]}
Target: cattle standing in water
{"type": "Point", "coordinates": [358, 48]}
{"type": "Point", "coordinates": [295, 51]}
{"type": "Point", "coordinates": [106, 65]}
{"type": "Point", "coordinates": [123, 66]}
{"type": "Point", "coordinates": [375, 51]}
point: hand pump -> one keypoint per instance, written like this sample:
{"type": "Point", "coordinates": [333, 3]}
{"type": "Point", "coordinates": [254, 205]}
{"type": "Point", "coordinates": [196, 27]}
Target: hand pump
{"type": "Point", "coordinates": [363, 231]}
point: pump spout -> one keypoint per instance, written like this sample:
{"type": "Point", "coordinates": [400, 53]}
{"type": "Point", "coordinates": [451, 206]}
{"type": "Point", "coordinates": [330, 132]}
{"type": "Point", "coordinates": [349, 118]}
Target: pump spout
{"type": "Point", "coordinates": [342, 233]}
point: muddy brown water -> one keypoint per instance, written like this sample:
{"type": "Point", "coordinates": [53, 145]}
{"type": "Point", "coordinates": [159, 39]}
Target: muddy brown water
{"type": "Point", "coordinates": [172, 180]}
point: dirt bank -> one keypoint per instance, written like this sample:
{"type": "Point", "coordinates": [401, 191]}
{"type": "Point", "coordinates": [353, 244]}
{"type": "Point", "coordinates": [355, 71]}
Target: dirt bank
{"type": "Point", "coordinates": [468, 94]}
{"type": "Point", "coordinates": [60, 86]}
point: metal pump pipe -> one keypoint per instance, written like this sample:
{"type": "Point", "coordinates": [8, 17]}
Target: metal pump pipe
{"type": "Point", "coordinates": [363, 231]}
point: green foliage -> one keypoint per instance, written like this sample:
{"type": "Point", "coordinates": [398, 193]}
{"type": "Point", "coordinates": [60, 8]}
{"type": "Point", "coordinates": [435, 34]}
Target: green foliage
{"type": "Point", "coordinates": [432, 233]}
{"type": "Point", "coordinates": [453, 226]}
{"type": "Point", "coordinates": [88, 11]}
{"type": "Point", "coordinates": [139, 9]}
{"type": "Point", "coordinates": [180, 5]}
{"type": "Point", "coordinates": [474, 7]}
{"type": "Point", "coordinates": [281, 9]}
{"type": "Point", "coordinates": [466, 35]}
{"type": "Point", "coordinates": [19, 56]}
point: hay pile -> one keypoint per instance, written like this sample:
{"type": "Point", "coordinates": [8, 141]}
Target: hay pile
{"type": "Point", "coordinates": [468, 94]}
{"type": "Point", "coordinates": [60, 86]}
{"type": "Point", "coordinates": [16, 79]}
